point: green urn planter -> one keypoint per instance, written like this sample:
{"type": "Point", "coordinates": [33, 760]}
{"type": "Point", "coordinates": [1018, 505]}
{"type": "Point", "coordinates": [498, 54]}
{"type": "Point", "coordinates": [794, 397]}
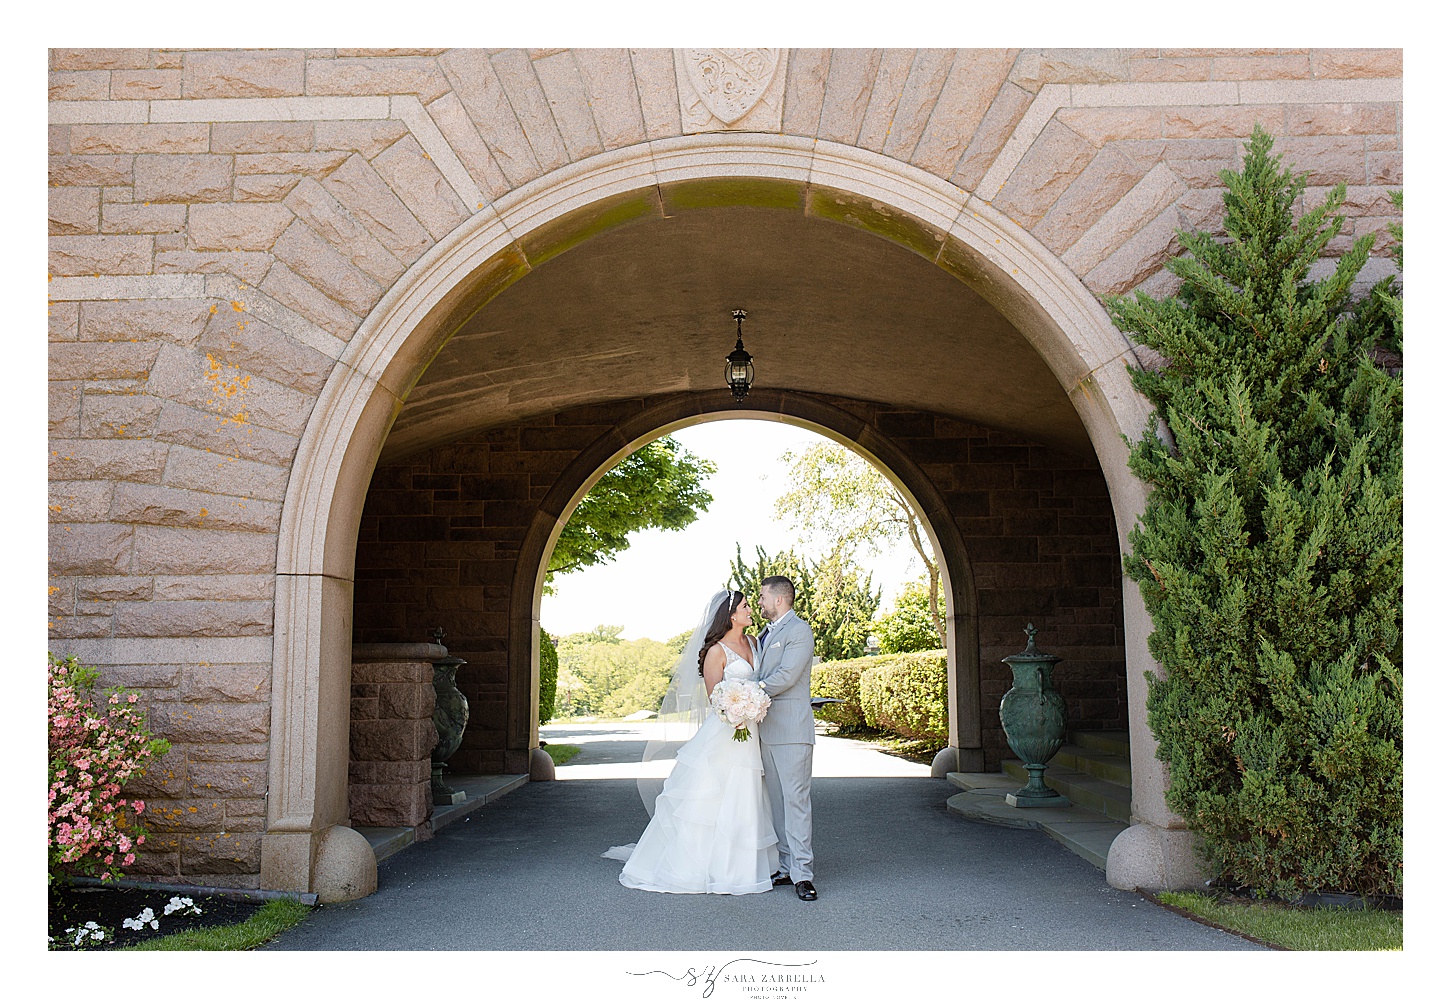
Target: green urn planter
{"type": "Point", "coordinates": [1033, 718]}
{"type": "Point", "coordinates": [450, 716]}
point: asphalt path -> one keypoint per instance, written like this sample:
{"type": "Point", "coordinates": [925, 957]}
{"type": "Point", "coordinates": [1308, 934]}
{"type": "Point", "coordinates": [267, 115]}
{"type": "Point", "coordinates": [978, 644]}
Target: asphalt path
{"type": "Point", "coordinates": [896, 871]}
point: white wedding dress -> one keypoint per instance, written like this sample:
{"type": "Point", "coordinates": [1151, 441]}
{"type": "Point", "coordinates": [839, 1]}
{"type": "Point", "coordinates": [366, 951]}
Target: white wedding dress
{"type": "Point", "coordinates": [712, 828]}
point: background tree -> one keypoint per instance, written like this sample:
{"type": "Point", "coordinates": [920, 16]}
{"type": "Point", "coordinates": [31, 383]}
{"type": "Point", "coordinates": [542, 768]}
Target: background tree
{"type": "Point", "coordinates": [908, 626]}
{"type": "Point", "coordinates": [657, 486]}
{"type": "Point", "coordinates": [607, 676]}
{"type": "Point", "coordinates": [831, 595]}
{"type": "Point", "coordinates": [838, 501]}
{"type": "Point", "coordinates": [1269, 553]}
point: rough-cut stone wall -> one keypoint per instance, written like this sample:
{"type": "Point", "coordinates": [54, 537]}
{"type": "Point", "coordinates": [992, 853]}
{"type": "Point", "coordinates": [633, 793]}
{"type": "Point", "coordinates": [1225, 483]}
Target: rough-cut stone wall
{"type": "Point", "coordinates": [205, 808]}
{"type": "Point", "coordinates": [441, 532]}
{"type": "Point", "coordinates": [390, 743]}
{"type": "Point", "coordinates": [221, 222]}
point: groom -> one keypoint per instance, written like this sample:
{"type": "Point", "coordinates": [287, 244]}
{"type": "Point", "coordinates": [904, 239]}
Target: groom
{"type": "Point", "coordinates": [788, 731]}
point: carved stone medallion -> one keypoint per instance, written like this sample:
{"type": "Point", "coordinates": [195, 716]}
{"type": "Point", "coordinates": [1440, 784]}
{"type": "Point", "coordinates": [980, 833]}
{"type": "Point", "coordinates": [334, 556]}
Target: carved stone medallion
{"type": "Point", "coordinates": [731, 82]}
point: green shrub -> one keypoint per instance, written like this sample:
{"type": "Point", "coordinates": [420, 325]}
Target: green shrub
{"type": "Point", "coordinates": [1269, 553]}
{"type": "Point", "coordinates": [908, 626]}
{"type": "Point", "coordinates": [907, 694]}
{"type": "Point", "coordinates": [841, 679]}
{"type": "Point", "coordinates": [548, 676]}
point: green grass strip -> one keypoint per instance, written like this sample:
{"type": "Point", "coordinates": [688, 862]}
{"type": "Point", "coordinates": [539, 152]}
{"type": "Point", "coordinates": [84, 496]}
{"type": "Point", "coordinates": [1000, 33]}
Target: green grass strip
{"type": "Point", "coordinates": [561, 754]}
{"type": "Point", "coordinates": [1295, 928]}
{"type": "Point", "coordinates": [274, 917]}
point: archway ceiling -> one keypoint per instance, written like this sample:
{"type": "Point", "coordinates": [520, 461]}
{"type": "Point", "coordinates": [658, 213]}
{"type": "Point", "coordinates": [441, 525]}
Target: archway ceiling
{"type": "Point", "coordinates": [645, 309]}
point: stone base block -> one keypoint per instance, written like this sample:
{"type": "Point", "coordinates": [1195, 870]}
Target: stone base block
{"type": "Point", "coordinates": [541, 765]}
{"type": "Point", "coordinates": [955, 759]}
{"type": "Point", "coordinates": [1156, 859]}
{"type": "Point", "coordinates": [346, 869]}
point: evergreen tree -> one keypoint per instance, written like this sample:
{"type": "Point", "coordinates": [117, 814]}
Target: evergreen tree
{"type": "Point", "coordinates": [1269, 554]}
{"type": "Point", "coordinates": [831, 596]}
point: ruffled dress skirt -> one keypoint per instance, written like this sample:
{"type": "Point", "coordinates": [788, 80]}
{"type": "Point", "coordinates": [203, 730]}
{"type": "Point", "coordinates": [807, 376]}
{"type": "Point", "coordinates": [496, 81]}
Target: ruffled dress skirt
{"type": "Point", "coordinates": [712, 829]}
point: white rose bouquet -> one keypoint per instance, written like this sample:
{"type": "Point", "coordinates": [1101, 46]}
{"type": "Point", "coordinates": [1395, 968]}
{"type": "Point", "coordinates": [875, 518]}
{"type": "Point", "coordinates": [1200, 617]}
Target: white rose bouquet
{"type": "Point", "coordinates": [738, 702]}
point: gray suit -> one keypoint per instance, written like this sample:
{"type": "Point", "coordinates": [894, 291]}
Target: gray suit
{"type": "Point", "coordinates": [787, 734]}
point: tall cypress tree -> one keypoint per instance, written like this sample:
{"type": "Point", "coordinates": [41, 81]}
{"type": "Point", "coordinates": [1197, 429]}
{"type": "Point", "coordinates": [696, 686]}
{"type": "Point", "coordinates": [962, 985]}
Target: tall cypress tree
{"type": "Point", "coordinates": [1269, 554]}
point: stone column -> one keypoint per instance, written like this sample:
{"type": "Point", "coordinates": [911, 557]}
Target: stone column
{"type": "Point", "coordinates": [1157, 851]}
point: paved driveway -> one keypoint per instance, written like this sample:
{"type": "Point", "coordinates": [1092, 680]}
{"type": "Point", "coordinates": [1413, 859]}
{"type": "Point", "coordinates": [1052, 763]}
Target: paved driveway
{"type": "Point", "coordinates": [895, 870]}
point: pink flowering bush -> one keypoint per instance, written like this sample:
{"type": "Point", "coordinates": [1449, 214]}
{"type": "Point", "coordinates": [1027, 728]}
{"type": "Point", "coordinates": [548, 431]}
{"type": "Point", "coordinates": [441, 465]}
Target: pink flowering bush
{"type": "Point", "coordinates": [97, 744]}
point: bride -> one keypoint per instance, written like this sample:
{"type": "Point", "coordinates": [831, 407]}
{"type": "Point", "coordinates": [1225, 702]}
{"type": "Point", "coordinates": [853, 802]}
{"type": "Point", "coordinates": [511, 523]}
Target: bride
{"type": "Point", "coordinates": [711, 828]}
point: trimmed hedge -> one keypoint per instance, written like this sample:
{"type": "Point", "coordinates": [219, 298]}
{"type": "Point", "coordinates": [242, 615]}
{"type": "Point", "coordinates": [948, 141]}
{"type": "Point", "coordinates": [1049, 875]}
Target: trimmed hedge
{"type": "Point", "coordinates": [843, 679]}
{"type": "Point", "coordinates": [908, 695]}
{"type": "Point", "coordinates": [904, 693]}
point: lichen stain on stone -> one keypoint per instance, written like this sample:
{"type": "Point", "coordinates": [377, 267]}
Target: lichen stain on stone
{"type": "Point", "coordinates": [875, 218]}
{"type": "Point", "coordinates": [568, 231]}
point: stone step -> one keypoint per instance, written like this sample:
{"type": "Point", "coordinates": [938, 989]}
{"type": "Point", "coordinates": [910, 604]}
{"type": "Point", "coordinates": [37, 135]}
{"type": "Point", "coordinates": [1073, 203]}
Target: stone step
{"type": "Point", "coordinates": [1094, 762]}
{"type": "Point", "coordinates": [1114, 742]}
{"type": "Point", "coordinates": [1094, 793]}
{"type": "Point", "coordinates": [1085, 832]}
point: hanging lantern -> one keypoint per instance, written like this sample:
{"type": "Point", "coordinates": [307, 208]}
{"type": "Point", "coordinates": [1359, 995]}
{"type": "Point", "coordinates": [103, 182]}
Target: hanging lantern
{"type": "Point", "coordinates": [739, 372]}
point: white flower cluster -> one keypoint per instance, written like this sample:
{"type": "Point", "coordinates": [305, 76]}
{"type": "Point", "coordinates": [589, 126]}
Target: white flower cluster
{"type": "Point", "coordinates": [91, 930]}
{"type": "Point", "coordinates": [183, 905]}
{"type": "Point", "coordinates": [140, 921]}
{"type": "Point", "coordinates": [738, 702]}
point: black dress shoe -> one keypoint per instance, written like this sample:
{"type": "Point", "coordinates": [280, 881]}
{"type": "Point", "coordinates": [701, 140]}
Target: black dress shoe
{"type": "Point", "coordinates": [780, 878]}
{"type": "Point", "coordinates": [806, 891]}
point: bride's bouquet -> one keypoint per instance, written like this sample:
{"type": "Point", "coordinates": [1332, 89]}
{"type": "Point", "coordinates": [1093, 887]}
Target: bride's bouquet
{"type": "Point", "coordinates": [738, 702]}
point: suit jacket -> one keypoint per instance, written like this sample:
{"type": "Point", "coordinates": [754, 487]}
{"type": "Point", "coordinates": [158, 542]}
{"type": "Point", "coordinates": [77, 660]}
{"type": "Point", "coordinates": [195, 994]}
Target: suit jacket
{"type": "Point", "coordinates": [784, 667]}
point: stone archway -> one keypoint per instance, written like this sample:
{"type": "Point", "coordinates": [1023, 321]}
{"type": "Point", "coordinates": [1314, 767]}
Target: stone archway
{"type": "Point", "coordinates": [932, 218]}
{"type": "Point", "coordinates": [964, 749]}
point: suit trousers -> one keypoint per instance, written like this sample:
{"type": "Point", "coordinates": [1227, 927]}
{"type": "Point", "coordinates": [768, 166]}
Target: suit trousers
{"type": "Point", "coordinates": [787, 768]}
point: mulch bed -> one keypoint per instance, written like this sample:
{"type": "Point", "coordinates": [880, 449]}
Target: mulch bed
{"type": "Point", "coordinates": [73, 906]}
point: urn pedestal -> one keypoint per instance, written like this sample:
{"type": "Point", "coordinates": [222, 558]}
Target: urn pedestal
{"type": "Point", "coordinates": [450, 716]}
{"type": "Point", "coordinates": [1033, 716]}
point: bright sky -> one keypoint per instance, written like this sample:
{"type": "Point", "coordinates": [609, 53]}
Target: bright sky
{"type": "Point", "coordinates": [659, 586]}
